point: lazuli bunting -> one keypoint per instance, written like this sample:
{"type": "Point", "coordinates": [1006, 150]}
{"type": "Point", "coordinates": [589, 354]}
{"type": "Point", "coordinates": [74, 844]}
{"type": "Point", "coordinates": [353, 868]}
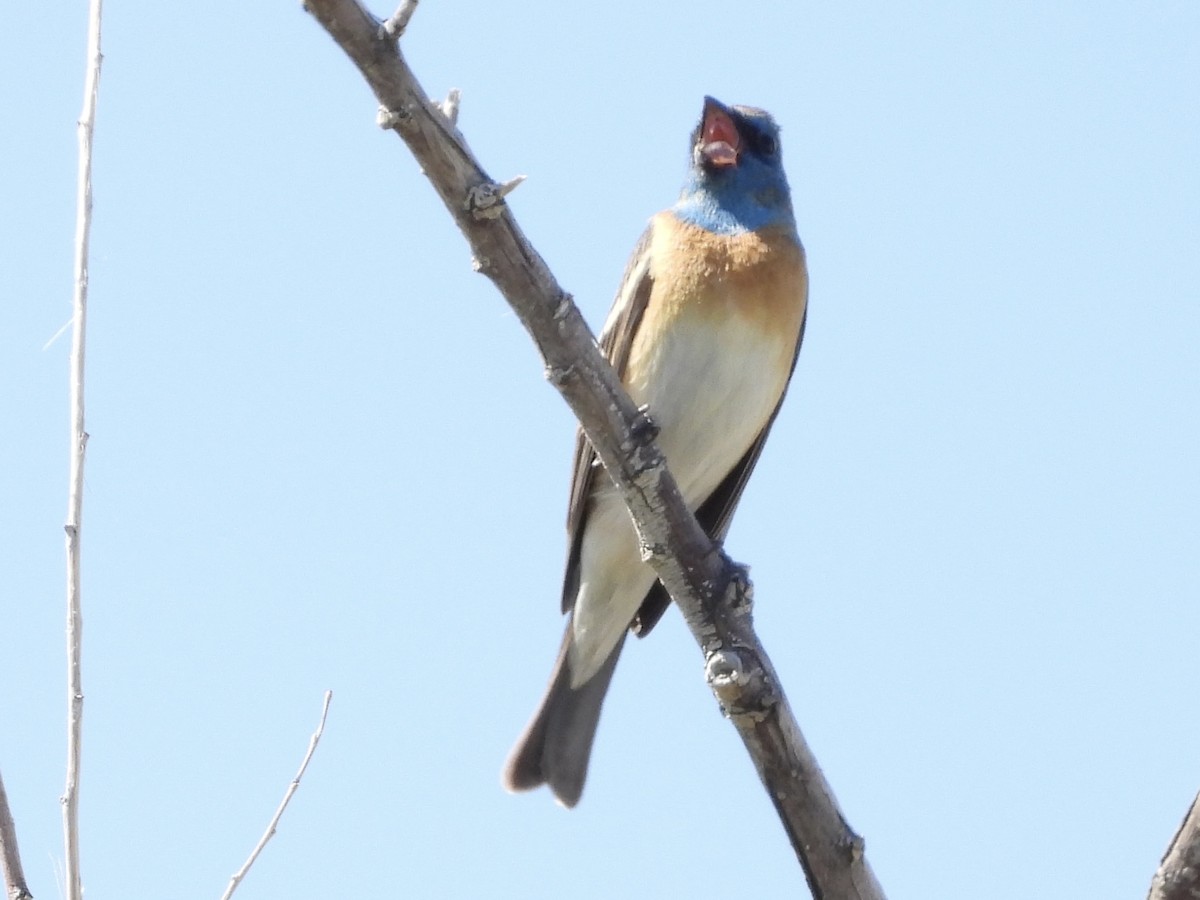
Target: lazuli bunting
{"type": "Point", "coordinates": [704, 333]}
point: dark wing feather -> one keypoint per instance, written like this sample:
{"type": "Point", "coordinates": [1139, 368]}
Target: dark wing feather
{"type": "Point", "coordinates": [716, 513]}
{"type": "Point", "coordinates": [615, 341]}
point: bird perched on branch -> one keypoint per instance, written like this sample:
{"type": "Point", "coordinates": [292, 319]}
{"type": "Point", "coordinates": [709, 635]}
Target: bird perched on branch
{"type": "Point", "coordinates": [704, 332]}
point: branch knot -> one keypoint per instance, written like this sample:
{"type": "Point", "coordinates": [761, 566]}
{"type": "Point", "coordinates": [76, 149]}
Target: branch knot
{"type": "Point", "coordinates": [486, 200]}
{"type": "Point", "coordinates": [739, 590]}
{"type": "Point", "coordinates": [560, 375]}
{"type": "Point", "coordinates": [393, 119]}
{"type": "Point", "coordinates": [645, 430]}
{"type": "Point", "coordinates": [726, 675]}
{"type": "Point", "coordinates": [740, 685]}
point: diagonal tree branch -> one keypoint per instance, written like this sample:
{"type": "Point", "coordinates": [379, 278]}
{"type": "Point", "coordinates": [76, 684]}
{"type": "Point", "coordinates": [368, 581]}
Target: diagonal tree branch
{"type": "Point", "coordinates": [15, 887]}
{"type": "Point", "coordinates": [711, 591]}
{"type": "Point", "coordinates": [1178, 878]}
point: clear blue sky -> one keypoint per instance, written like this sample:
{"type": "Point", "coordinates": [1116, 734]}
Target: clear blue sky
{"type": "Point", "coordinates": [323, 454]}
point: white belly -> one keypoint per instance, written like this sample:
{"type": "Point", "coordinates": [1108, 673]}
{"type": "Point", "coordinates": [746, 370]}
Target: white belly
{"type": "Point", "coordinates": [711, 399]}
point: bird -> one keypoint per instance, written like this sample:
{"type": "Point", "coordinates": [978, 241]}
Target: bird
{"type": "Point", "coordinates": [704, 334]}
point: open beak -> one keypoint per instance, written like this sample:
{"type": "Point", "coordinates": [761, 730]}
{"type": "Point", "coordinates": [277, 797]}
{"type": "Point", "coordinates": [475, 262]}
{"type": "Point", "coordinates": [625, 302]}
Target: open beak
{"type": "Point", "coordinates": [719, 143]}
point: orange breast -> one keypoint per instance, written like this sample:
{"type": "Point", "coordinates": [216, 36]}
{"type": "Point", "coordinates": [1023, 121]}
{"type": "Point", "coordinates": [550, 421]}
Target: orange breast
{"type": "Point", "coordinates": [760, 278]}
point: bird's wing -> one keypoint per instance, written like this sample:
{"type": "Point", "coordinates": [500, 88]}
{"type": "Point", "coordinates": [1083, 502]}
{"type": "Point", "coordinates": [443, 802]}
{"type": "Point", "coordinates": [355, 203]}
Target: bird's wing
{"type": "Point", "coordinates": [616, 339]}
{"type": "Point", "coordinates": [716, 513]}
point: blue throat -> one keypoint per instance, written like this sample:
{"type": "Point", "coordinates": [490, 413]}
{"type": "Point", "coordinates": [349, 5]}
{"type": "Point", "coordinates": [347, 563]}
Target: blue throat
{"type": "Point", "coordinates": [750, 197]}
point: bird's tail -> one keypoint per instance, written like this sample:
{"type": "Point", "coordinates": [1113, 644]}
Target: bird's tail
{"type": "Point", "coordinates": [556, 745]}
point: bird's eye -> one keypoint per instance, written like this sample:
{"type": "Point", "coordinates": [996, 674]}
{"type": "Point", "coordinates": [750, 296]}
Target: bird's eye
{"type": "Point", "coordinates": [767, 145]}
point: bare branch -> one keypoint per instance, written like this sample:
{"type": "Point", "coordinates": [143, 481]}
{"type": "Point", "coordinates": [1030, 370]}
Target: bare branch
{"type": "Point", "coordinates": [287, 798]}
{"type": "Point", "coordinates": [710, 590]}
{"type": "Point", "coordinates": [10, 858]}
{"type": "Point", "coordinates": [73, 888]}
{"type": "Point", "coordinates": [1178, 878]}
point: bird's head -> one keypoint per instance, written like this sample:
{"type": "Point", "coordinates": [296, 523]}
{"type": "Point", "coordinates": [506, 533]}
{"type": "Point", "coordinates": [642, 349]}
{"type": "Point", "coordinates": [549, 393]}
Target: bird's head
{"type": "Point", "coordinates": [736, 181]}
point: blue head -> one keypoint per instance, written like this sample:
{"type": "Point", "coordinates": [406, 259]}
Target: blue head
{"type": "Point", "coordinates": [736, 181]}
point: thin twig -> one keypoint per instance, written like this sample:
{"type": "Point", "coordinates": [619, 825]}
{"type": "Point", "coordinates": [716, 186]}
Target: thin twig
{"type": "Point", "coordinates": [287, 798]}
{"type": "Point", "coordinates": [708, 588]}
{"type": "Point", "coordinates": [10, 858]}
{"type": "Point", "coordinates": [73, 888]}
{"type": "Point", "coordinates": [449, 106]}
{"type": "Point", "coordinates": [394, 27]}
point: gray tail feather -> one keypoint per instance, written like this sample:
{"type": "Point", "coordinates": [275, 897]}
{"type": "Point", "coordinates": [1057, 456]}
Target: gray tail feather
{"type": "Point", "coordinates": [556, 746]}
